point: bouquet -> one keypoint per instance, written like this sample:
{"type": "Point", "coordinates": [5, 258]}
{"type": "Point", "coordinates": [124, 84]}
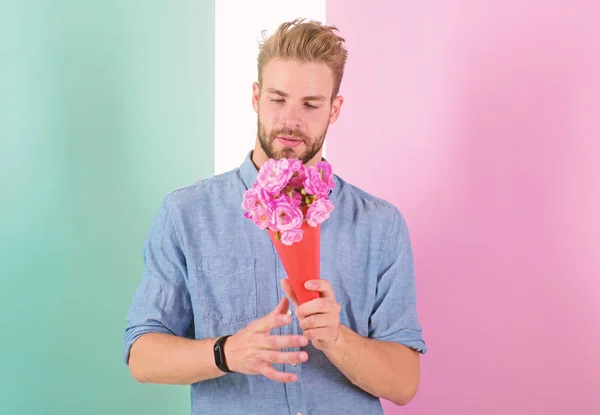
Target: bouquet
{"type": "Point", "coordinates": [286, 195]}
{"type": "Point", "coordinates": [291, 200]}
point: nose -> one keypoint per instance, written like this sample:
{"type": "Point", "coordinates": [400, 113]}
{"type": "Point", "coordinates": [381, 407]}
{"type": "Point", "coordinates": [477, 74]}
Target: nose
{"type": "Point", "coordinates": [290, 118]}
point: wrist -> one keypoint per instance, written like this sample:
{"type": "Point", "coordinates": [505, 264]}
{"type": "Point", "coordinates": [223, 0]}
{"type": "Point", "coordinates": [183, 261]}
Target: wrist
{"type": "Point", "coordinates": [229, 351]}
{"type": "Point", "coordinates": [219, 349]}
{"type": "Point", "coordinates": [337, 347]}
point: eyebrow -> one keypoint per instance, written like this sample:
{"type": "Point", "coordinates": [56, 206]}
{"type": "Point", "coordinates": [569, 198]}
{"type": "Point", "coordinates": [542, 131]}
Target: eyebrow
{"type": "Point", "coordinates": [285, 95]}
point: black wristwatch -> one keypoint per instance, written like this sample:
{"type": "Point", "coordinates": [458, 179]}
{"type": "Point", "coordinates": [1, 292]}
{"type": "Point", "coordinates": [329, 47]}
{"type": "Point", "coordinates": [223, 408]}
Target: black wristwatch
{"type": "Point", "coordinates": [219, 349]}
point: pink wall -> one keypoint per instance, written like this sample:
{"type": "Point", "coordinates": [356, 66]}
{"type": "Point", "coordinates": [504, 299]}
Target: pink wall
{"type": "Point", "coordinates": [485, 116]}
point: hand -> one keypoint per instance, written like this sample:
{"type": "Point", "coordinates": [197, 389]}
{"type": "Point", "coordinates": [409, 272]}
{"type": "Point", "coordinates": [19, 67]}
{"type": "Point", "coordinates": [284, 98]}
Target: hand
{"type": "Point", "coordinates": [253, 349]}
{"type": "Point", "coordinates": [319, 318]}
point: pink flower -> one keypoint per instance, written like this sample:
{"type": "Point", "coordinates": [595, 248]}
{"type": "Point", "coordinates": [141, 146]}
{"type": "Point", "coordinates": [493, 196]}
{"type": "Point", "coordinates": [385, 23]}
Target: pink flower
{"type": "Point", "coordinates": [274, 175]}
{"type": "Point", "coordinates": [250, 200]}
{"type": "Point", "coordinates": [256, 203]}
{"type": "Point", "coordinates": [314, 184]}
{"type": "Point", "coordinates": [293, 197]}
{"type": "Point", "coordinates": [291, 236]}
{"type": "Point", "coordinates": [297, 180]}
{"type": "Point", "coordinates": [318, 212]}
{"type": "Point", "coordinates": [296, 165]}
{"type": "Point", "coordinates": [296, 198]}
{"type": "Point", "coordinates": [256, 197]}
{"type": "Point", "coordinates": [326, 173]}
{"type": "Point", "coordinates": [263, 195]}
{"type": "Point", "coordinates": [286, 215]}
{"type": "Point", "coordinates": [262, 217]}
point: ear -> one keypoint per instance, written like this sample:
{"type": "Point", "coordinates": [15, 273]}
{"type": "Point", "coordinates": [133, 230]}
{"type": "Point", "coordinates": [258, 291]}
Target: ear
{"type": "Point", "coordinates": [336, 107]}
{"type": "Point", "coordinates": [255, 96]}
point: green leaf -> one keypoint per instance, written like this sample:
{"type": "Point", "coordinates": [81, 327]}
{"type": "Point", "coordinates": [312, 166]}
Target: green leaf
{"type": "Point", "coordinates": [277, 236]}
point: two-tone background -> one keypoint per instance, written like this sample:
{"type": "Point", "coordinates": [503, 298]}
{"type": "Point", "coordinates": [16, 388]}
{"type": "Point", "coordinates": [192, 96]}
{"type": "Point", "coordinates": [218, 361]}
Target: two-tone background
{"type": "Point", "coordinates": [480, 120]}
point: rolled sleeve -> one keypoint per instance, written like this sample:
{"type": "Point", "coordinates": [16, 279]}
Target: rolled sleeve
{"type": "Point", "coordinates": [394, 317]}
{"type": "Point", "coordinates": [161, 302]}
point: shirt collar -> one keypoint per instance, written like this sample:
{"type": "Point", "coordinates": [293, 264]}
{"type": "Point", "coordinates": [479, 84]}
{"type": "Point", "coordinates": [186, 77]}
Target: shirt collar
{"type": "Point", "coordinates": [248, 171]}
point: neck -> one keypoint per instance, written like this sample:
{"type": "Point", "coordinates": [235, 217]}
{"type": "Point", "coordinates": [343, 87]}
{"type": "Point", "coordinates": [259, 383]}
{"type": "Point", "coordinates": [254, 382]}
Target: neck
{"type": "Point", "coordinates": [259, 157]}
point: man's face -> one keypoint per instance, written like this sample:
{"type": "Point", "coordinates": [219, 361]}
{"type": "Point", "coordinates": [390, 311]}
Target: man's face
{"type": "Point", "coordinates": [294, 109]}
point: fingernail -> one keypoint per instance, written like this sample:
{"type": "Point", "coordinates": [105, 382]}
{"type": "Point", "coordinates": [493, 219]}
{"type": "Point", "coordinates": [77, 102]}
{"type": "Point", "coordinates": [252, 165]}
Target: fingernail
{"type": "Point", "coordinates": [308, 284]}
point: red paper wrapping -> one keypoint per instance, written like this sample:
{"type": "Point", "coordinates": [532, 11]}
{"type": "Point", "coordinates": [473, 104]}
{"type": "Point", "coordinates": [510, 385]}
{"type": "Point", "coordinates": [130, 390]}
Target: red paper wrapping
{"type": "Point", "coordinates": [301, 261]}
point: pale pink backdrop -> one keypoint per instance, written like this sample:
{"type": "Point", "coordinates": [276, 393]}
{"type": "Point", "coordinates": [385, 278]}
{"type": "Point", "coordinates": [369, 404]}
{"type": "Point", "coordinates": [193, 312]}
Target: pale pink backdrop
{"type": "Point", "coordinates": [480, 120]}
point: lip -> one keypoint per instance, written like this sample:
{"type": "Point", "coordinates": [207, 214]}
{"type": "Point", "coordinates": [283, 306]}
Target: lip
{"type": "Point", "coordinates": [289, 140]}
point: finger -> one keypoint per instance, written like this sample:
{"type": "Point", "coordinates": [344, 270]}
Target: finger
{"type": "Point", "coordinates": [287, 288]}
{"type": "Point", "coordinates": [318, 306]}
{"type": "Point", "coordinates": [269, 372]}
{"type": "Point", "coordinates": [319, 333]}
{"type": "Point", "coordinates": [282, 307]}
{"type": "Point", "coordinates": [283, 357]}
{"type": "Point", "coordinates": [286, 342]}
{"type": "Point", "coordinates": [271, 321]}
{"type": "Point", "coordinates": [322, 286]}
{"type": "Point", "coordinates": [315, 321]}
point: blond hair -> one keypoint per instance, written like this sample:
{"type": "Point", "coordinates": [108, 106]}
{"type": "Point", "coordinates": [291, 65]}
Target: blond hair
{"type": "Point", "coordinates": [308, 41]}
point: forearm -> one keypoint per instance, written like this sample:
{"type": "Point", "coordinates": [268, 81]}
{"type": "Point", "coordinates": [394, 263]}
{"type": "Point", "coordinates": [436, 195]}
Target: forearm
{"type": "Point", "coordinates": [386, 370]}
{"type": "Point", "coordinates": [168, 359]}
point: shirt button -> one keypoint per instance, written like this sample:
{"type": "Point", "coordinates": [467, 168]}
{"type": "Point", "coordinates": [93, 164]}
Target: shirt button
{"type": "Point", "coordinates": [289, 312]}
{"type": "Point", "coordinates": [298, 413]}
{"type": "Point", "coordinates": [293, 364]}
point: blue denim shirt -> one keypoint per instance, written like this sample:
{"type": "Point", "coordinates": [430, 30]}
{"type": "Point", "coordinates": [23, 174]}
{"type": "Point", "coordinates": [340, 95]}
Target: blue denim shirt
{"type": "Point", "coordinates": [209, 272]}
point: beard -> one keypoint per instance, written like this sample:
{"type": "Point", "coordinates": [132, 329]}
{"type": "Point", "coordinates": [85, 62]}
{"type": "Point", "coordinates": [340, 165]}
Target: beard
{"type": "Point", "coordinates": [267, 143]}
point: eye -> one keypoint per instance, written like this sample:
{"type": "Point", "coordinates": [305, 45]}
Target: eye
{"type": "Point", "coordinates": [277, 100]}
{"type": "Point", "coordinates": [310, 106]}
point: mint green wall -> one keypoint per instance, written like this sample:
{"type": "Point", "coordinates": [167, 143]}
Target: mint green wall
{"type": "Point", "coordinates": [104, 107]}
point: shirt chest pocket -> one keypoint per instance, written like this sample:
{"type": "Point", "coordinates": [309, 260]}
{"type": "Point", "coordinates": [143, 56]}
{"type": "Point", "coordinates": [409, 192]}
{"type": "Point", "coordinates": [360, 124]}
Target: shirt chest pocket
{"type": "Point", "coordinates": [227, 289]}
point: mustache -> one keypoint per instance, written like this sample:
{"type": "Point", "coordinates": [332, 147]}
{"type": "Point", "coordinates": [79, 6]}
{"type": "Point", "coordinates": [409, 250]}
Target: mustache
{"type": "Point", "coordinates": [288, 131]}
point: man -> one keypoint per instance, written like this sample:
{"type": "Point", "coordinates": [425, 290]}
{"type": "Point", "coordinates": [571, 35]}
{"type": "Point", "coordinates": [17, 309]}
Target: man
{"type": "Point", "coordinates": [214, 308]}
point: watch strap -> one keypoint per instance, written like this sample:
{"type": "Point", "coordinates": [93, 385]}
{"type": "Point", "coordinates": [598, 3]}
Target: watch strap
{"type": "Point", "coordinates": [219, 352]}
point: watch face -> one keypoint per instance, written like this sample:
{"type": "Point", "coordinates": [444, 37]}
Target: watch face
{"type": "Point", "coordinates": [218, 354]}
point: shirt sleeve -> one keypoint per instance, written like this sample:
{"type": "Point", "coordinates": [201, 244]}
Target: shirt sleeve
{"type": "Point", "coordinates": [161, 302]}
{"type": "Point", "coordinates": [394, 317]}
